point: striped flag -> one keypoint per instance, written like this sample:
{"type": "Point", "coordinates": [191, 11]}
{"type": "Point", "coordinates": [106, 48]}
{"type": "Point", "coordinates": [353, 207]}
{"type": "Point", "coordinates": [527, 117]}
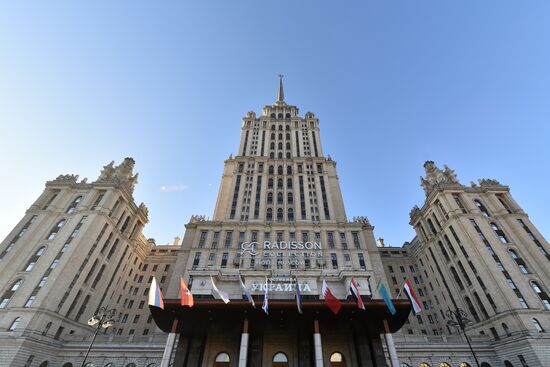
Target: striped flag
{"type": "Point", "coordinates": [247, 293]}
{"type": "Point", "coordinates": [224, 296]}
{"type": "Point", "coordinates": [332, 302]}
{"type": "Point", "coordinates": [411, 294]}
{"type": "Point", "coordinates": [185, 294]}
{"type": "Point", "coordinates": [155, 295]}
{"type": "Point", "coordinates": [298, 297]}
{"type": "Point", "coordinates": [385, 295]}
{"type": "Point", "coordinates": [355, 291]}
{"type": "Point", "coordinates": [265, 305]}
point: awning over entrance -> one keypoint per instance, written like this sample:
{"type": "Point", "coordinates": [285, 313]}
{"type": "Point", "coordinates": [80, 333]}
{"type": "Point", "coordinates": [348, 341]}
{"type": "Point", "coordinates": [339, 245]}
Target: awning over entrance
{"type": "Point", "coordinates": [211, 310]}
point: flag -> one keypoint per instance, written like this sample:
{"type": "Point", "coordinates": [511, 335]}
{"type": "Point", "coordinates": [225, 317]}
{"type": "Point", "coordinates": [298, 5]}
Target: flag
{"type": "Point", "coordinates": [411, 294]}
{"type": "Point", "coordinates": [332, 302]}
{"type": "Point", "coordinates": [355, 291]}
{"type": "Point", "coordinates": [247, 293]}
{"type": "Point", "coordinates": [384, 294]}
{"type": "Point", "coordinates": [298, 297]}
{"type": "Point", "coordinates": [224, 296]}
{"type": "Point", "coordinates": [155, 295]}
{"type": "Point", "coordinates": [265, 305]}
{"type": "Point", "coordinates": [185, 294]}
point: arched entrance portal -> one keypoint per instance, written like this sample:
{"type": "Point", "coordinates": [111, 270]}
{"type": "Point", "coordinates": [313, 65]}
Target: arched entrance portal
{"type": "Point", "coordinates": [222, 360]}
{"type": "Point", "coordinates": [280, 360]}
{"type": "Point", "coordinates": [337, 360]}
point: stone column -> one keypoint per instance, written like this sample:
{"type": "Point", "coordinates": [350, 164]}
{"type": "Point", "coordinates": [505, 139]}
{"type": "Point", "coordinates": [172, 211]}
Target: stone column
{"type": "Point", "coordinates": [317, 344]}
{"type": "Point", "coordinates": [169, 345]}
{"type": "Point", "coordinates": [243, 353]}
{"type": "Point", "coordinates": [391, 345]}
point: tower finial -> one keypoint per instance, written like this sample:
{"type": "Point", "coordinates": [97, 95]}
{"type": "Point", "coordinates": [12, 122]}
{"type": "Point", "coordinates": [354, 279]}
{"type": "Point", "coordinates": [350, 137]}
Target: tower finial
{"type": "Point", "coordinates": [281, 94]}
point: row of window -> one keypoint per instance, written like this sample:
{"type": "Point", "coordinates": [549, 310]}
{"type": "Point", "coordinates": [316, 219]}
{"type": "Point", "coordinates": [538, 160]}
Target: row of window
{"type": "Point", "coordinates": [280, 236]}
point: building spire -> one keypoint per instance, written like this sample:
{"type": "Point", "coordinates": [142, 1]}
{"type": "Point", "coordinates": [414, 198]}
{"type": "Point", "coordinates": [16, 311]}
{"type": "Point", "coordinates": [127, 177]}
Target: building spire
{"type": "Point", "coordinates": [281, 94]}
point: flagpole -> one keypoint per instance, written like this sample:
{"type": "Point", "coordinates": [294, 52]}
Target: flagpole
{"type": "Point", "coordinates": [169, 347]}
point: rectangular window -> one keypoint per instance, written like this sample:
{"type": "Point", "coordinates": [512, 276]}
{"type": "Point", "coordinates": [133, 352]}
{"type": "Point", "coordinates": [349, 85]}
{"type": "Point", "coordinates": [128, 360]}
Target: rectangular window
{"type": "Point", "coordinates": [334, 260]}
{"type": "Point", "coordinates": [228, 239]}
{"type": "Point", "coordinates": [225, 255]}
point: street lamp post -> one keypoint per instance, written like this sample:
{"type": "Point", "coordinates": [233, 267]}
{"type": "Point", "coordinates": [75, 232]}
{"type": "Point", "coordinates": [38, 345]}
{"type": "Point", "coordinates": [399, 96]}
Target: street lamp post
{"type": "Point", "coordinates": [459, 318]}
{"type": "Point", "coordinates": [103, 319]}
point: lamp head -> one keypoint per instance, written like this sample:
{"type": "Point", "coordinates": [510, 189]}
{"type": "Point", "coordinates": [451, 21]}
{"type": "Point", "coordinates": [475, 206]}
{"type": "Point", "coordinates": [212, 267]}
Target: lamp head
{"type": "Point", "coordinates": [93, 321]}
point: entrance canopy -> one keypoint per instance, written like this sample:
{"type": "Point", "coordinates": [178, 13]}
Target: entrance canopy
{"type": "Point", "coordinates": [206, 311]}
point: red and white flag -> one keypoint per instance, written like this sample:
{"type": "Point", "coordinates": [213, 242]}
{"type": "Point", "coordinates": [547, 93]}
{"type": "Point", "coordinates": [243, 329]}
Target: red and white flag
{"type": "Point", "coordinates": [332, 302]}
{"type": "Point", "coordinates": [185, 294]}
{"type": "Point", "coordinates": [355, 291]}
{"type": "Point", "coordinates": [409, 291]}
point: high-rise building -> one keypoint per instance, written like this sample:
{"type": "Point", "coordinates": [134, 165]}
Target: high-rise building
{"type": "Point", "coordinates": [279, 223]}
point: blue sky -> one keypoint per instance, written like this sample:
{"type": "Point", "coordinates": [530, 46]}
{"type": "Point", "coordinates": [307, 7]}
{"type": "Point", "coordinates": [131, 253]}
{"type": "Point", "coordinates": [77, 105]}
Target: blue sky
{"type": "Point", "coordinates": [394, 83]}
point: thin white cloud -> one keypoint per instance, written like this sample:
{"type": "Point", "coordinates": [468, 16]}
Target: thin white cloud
{"type": "Point", "coordinates": [173, 188]}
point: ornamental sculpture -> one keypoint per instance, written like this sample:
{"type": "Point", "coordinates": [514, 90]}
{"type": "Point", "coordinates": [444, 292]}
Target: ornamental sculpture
{"type": "Point", "coordinates": [121, 174]}
{"type": "Point", "coordinates": [437, 178]}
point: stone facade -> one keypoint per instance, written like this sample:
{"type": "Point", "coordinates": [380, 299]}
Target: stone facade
{"type": "Point", "coordinates": [79, 247]}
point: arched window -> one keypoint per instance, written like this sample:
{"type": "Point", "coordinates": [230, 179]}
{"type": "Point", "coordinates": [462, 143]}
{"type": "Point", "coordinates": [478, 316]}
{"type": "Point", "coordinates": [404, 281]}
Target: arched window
{"type": "Point", "coordinates": [499, 232]}
{"type": "Point", "coordinates": [280, 155]}
{"type": "Point", "coordinates": [272, 126]}
{"type": "Point", "coordinates": [537, 325]}
{"type": "Point", "coordinates": [443, 251]}
{"type": "Point", "coordinates": [32, 261]}
{"type": "Point", "coordinates": [280, 183]}
{"type": "Point", "coordinates": [273, 134]}
{"type": "Point", "coordinates": [131, 364]}
{"type": "Point", "coordinates": [457, 278]}
{"type": "Point", "coordinates": [280, 136]}
{"type": "Point", "coordinates": [472, 309]}
{"type": "Point", "coordinates": [279, 198]}
{"type": "Point", "coordinates": [288, 134]}
{"type": "Point", "coordinates": [508, 364]}
{"type": "Point", "coordinates": [506, 329]}
{"type": "Point", "coordinates": [287, 116]}
{"type": "Point", "coordinates": [269, 215]}
{"type": "Point", "coordinates": [152, 365]}
{"type": "Point", "coordinates": [403, 364]}
{"type": "Point", "coordinates": [289, 198]}
{"type": "Point", "coordinates": [271, 170]}
{"type": "Point", "coordinates": [8, 294]}
{"type": "Point", "coordinates": [14, 324]}
{"type": "Point", "coordinates": [47, 328]}
{"type": "Point", "coordinates": [288, 145]}
{"type": "Point", "coordinates": [270, 183]}
{"type": "Point", "coordinates": [280, 360]}
{"type": "Point", "coordinates": [270, 198]}
{"type": "Point", "coordinates": [67, 364]}
{"type": "Point", "coordinates": [290, 215]}
{"type": "Point", "coordinates": [110, 364]}
{"type": "Point", "coordinates": [464, 364]}
{"type": "Point", "coordinates": [280, 170]}
{"type": "Point", "coordinates": [72, 208]}
{"type": "Point", "coordinates": [56, 229]}
{"type": "Point", "coordinates": [519, 261]}
{"type": "Point", "coordinates": [281, 126]}
{"type": "Point", "coordinates": [481, 207]}
{"type": "Point", "coordinates": [288, 170]}
{"type": "Point", "coordinates": [271, 155]}
{"type": "Point", "coordinates": [44, 364]}
{"type": "Point", "coordinates": [222, 359]}
{"type": "Point", "coordinates": [288, 155]}
{"type": "Point", "coordinates": [424, 364]}
{"type": "Point", "coordinates": [272, 145]}
{"type": "Point", "coordinates": [542, 295]}
{"type": "Point", "coordinates": [485, 364]}
{"type": "Point", "coordinates": [337, 360]}
{"type": "Point", "coordinates": [279, 215]}
{"type": "Point", "coordinates": [444, 364]}
{"type": "Point", "coordinates": [289, 183]}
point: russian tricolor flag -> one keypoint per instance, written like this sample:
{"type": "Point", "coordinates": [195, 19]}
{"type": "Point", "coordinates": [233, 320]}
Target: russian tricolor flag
{"type": "Point", "coordinates": [155, 295]}
{"type": "Point", "coordinates": [409, 291]}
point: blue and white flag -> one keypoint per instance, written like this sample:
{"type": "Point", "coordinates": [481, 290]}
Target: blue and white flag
{"type": "Point", "coordinates": [265, 306]}
{"type": "Point", "coordinates": [385, 295]}
{"type": "Point", "coordinates": [247, 293]}
{"type": "Point", "coordinates": [298, 297]}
